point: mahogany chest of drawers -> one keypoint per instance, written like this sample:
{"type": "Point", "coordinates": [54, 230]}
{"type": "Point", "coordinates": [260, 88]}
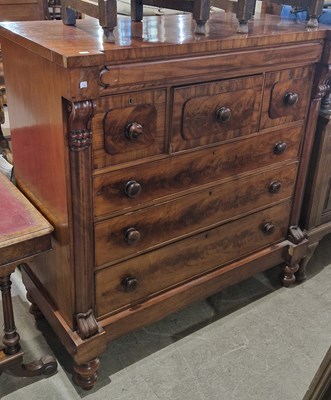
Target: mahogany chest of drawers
{"type": "Point", "coordinates": [171, 165]}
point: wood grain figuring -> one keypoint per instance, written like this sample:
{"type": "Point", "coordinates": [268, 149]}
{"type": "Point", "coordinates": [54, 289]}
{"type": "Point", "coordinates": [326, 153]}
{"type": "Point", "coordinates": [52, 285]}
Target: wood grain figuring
{"type": "Point", "coordinates": [179, 297]}
{"type": "Point", "coordinates": [114, 113]}
{"type": "Point", "coordinates": [275, 111]}
{"type": "Point", "coordinates": [175, 176]}
{"type": "Point", "coordinates": [213, 66]}
{"type": "Point", "coordinates": [177, 30]}
{"type": "Point", "coordinates": [173, 220]}
{"type": "Point", "coordinates": [156, 270]}
{"type": "Point", "coordinates": [196, 119]}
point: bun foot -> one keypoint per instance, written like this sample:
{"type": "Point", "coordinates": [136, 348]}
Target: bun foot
{"type": "Point", "coordinates": [86, 375]}
{"type": "Point", "coordinates": [288, 274]}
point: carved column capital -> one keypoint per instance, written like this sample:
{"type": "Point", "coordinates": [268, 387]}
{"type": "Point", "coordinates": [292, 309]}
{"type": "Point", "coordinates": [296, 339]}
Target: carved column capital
{"type": "Point", "coordinates": [79, 139]}
{"type": "Point", "coordinates": [79, 123]}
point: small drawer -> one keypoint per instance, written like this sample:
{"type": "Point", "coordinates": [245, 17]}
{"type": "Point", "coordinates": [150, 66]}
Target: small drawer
{"type": "Point", "coordinates": [128, 127]}
{"type": "Point", "coordinates": [132, 233]}
{"type": "Point", "coordinates": [286, 96]}
{"type": "Point", "coordinates": [216, 112]}
{"type": "Point", "coordinates": [130, 188]}
{"type": "Point", "coordinates": [128, 283]}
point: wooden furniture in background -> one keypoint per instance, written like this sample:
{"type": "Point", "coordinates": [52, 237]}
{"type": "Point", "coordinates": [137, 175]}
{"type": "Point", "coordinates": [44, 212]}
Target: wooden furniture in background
{"type": "Point", "coordinates": [170, 167]}
{"type": "Point", "coordinates": [314, 8]}
{"type": "Point", "coordinates": [105, 11]}
{"type": "Point", "coordinates": [199, 8]}
{"type": "Point", "coordinates": [24, 234]}
{"type": "Point", "coordinates": [316, 212]}
{"type": "Point", "coordinates": [22, 10]}
{"type": "Point", "coordinates": [244, 10]}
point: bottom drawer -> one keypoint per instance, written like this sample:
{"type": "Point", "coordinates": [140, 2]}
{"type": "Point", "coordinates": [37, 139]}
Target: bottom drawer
{"type": "Point", "coordinates": [127, 283]}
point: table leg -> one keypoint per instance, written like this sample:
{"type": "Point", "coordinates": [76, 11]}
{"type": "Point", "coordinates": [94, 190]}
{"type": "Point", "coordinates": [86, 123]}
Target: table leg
{"type": "Point", "coordinates": [12, 356]}
{"type": "Point", "coordinates": [11, 338]}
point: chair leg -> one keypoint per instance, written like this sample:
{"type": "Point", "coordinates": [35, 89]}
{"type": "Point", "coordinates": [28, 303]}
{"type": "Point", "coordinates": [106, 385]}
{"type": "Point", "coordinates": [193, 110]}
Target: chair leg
{"type": "Point", "coordinates": [108, 18]}
{"type": "Point", "coordinates": [137, 10]}
{"type": "Point", "coordinates": [68, 15]}
{"type": "Point", "coordinates": [201, 9]}
{"type": "Point", "coordinates": [315, 9]}
{"type": "Point", "coordinates": [245, 11]}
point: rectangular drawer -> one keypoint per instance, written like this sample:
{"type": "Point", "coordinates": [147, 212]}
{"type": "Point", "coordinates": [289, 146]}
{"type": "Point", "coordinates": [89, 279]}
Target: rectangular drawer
{"type": "Point", "coordinates": [215, 112]}
{"type": "Point", "coordinates": [286, 96]}
{"type": "Point", "coordinates": [128, 127]}
{"type": "Point", "coordinates": [131, 233]}
{"type": "Point", "coordinates": [127, 283]}
{"type": "Point", "coordinates": [179, 174]}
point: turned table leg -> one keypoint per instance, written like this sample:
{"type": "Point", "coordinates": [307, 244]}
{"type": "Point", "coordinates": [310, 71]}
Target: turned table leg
{"type": "Point", "coordinates": [13, 356]}
{"type": "Point", "coordinates": [11, 338]}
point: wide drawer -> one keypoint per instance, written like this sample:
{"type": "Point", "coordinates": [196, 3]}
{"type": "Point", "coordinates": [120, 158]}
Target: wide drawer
{"type": "Point", "coordinates": [134, 187]}
{"type": "Point", "coordinates": [127, 283]}
{"type": "Point", "coordinates": [286, 96]}
{"type": "Point", "coordinates": [128, 127]}
{"type": "Point", "coordinates": [131, 233]}
{"type": "Point", "coordinates": [215, 112]}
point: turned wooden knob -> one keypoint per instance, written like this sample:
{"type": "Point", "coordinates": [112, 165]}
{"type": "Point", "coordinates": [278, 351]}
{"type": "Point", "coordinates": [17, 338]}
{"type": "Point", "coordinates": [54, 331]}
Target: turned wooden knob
{"type": "Point", "coordinates": [223, 114]}
{"type": "Point", "coordinates": [275, 186]}
{"type": "Point", "coordinates": [132, 189]}
{"type": "Point", "coordinates": [279, 147]}
{"type": "Point", "coordinates": [133, 130]}
{"type": "Point", "coordinates": [131, 236]}
{"type": "Point", "coordinates": [129, 283]}
{"type": "Point", "coordinates": [268, 228]}
{"type": "Point", "coordinates": [291, 98]}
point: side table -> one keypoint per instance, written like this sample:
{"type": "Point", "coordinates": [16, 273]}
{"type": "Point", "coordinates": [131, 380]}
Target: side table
{"type": "Point", "coordinates": [24, 233]}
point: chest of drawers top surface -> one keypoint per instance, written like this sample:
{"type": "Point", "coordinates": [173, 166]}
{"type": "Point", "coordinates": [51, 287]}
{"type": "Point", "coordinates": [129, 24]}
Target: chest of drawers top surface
{"type": "Point", "coordinates": [159, 39]}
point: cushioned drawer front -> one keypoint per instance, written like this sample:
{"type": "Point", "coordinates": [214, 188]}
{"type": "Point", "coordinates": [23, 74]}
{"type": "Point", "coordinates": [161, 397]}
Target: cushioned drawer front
{"type": "Point", "coordinates": [286, 96]}
{"type": "Point", "coordinates": [130, 188]}
{"type": "Point", "coordinates": [132, 233]}
{"type": "Point", "coordinates": [133, 280]}
{"type": "Point", "coordinates": [128, 127]}
{"type": "Point", "coordinates": [215, 112]}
